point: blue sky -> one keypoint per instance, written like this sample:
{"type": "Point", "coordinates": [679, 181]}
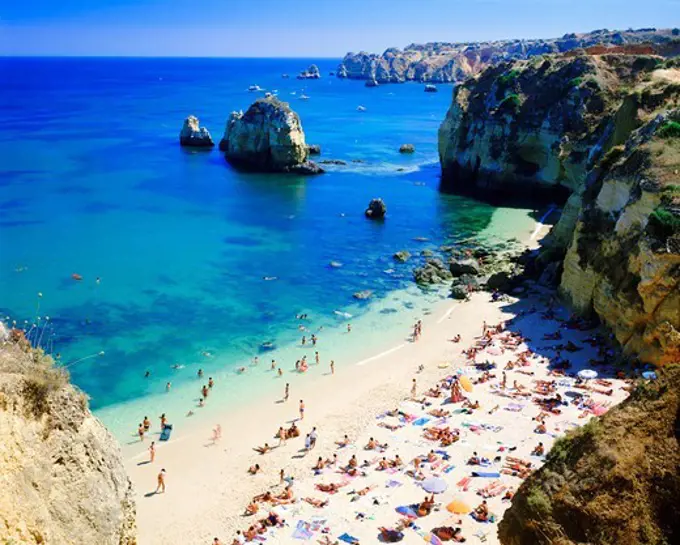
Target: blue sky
{"type": "Point", "coordinates": [295, 28]}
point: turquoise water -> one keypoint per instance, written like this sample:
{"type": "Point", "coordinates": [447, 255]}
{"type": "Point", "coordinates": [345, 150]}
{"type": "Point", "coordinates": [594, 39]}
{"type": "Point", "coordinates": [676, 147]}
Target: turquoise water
{"type": "Point", "coordinates": [93, 182]}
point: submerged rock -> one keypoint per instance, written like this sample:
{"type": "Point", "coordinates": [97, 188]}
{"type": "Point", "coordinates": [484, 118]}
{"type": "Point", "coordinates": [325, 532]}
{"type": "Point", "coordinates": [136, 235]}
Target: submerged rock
{"type": "Point", "coordinates": [407, 148]}
{"type": "Point", "coordinates": [464, 266]}
{"type": "Point", "coordinates": [376, 209]}
{"type": "Point", "coordinates": [313, 149]}
{"type": "Point", "coordinates": [337, 162]}
{"type": "Point", "coordinates": [194, 136]}
{"type": "Point", "coordinates": [432, 272]}
{"type": "Point", "coordinates": [362, 295]}
{"type": "Point", "coordinates": [267, 138]}
{"type": "Point", "coordinates": [402, 256]}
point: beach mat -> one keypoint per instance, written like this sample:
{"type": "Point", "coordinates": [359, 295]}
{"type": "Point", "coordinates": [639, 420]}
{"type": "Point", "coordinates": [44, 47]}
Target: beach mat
{"type": "Point", "coordinates": [348, 539]}
{"type": "Point", "coordinates": [486, 474]}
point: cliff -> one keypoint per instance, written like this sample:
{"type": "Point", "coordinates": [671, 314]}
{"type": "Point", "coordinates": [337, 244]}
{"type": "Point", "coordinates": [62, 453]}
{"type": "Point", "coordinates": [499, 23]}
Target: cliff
{"type": "Point", "coordinates": [267, 138]}
{"type": "Point", "coordinates": [602, 131]}
{"type": "Point", "coordinates": [61, 474]}
{"type": "Point", "coordinates": [441, 62]}
{"type": "Point", "coordinates": [613, 482]}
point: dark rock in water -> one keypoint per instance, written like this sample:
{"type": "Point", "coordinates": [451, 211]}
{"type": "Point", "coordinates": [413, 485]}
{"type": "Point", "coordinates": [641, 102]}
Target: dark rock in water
{"type": "Point", "coordinates": [307, 168]}
{"type": "Point", "coordinates": [429, 88]}
{"type": "Point", "coordinates": [331, 73]}
{"type": "Point", "coordinates": [194, 136]}
{"type": "Point", "coordinates": [311, 73]}
{"type": "Point", "coordinates": [433, 272]}
{"type": "Point", "coordinates": [407, 148]}
{"type": "Point", "coordinates": [459, 292]}
{"type": "Point", "coordinates": [363, 295]}
{"type": "Point", "coordinates": [401, 169]}
{"type": "Point", "coordinates": [267, 346]}
{"type": "Point", "coordinates": [463, 266]}
{"type": "Point", "coordinates": [338, 162]}
{"type": "Point", "coordinates": [358, 161]}
{"type": "Point", "coordinates": [427, 253]}
{"type": "Point", "coordinates": [313, 149]}
{"type": "Point", "coordinates": [388, 311]}
{"type": "Point", "coordinates": [376, 209]}
{"type": "Point", "coordinates": [371, 83]}
{"type": "Point", "coordinates": [402, 256]}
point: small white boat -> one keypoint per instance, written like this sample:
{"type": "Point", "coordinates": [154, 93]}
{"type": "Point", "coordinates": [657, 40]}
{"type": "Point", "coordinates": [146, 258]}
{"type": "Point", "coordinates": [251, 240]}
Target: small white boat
{"type": "Point", "coordinates": [361, 108]}
{"type": "Point", "coordinates": [304, 97]}
{"type": "Point", "coordinates": [255, 88]}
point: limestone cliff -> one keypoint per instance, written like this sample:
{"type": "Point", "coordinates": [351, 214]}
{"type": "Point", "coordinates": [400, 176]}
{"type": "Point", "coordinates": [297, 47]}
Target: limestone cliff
{"type": "Point", "coordinates": [267, 138]}
{"type": "Point", "coordinates": [624, 260]}
{"type": "Point", "coordinates": [61, 474]}
{"type": "Point", "coordinates": [442, 62]}
{"type": "Point", "coordinates": [613, 482]}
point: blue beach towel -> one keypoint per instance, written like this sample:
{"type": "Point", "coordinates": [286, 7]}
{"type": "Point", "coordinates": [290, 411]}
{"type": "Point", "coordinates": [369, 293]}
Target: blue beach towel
{"type": "Point", "coordinates": [165, 434]}
{"type": "Point", "coordinates": [407, 511]}
{"type": "Point", "coordinates": [348, 539]}
{"type": "Point", "coordinates": [421, 421]}
{"type": "Point", "coordinates": [487, 474]}
{"type": "Point", "coordinates": [449, 469]}
{"type": "Point", "coordinates": [302, 531]}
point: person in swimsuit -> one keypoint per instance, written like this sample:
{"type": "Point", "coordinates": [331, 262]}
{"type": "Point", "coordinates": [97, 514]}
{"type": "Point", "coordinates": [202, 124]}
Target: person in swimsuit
{"type": "Point", "coordinates": [140, 432]}
{"type": "Point", "coordinates": [147, 423]}
{"type": "Point", "coordinates": [152, 451]}
{"type": "Point", "coordinates": [302, 410]}
{"type": "Point", "coordinates": [332, 367]}
{"type": "Point", "coordinates": [161, 481]}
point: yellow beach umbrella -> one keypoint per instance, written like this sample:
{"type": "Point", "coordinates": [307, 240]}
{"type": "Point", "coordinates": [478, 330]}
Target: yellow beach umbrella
{"type": "Point", "coordinates": [465, 383]}
{"type": "Point", "coordinates": [458, 507]}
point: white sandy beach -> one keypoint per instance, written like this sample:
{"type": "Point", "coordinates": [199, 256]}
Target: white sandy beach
{"type": "Point", "coordinates": [208, 486]}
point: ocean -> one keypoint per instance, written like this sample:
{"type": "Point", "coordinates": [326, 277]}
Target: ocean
{"type": "Point", "coordinates": [187, 264]}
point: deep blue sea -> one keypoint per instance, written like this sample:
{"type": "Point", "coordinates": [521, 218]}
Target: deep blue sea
{"type": "Point", "coordinates": [93, 182]}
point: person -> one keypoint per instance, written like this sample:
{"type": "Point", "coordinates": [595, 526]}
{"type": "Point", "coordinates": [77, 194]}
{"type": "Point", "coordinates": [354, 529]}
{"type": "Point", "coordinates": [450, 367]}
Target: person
{"type": "Point", "coordinates": [281, 434]}
{"type": "Point", "coordinates": [390, 536]}
{"type": "Point", "coordinates": [254, 470]}
{"type": "Point", "coordinates": [238, 539]}
{"type": "Point", "coordinates": [256, 360]}
{"type": "Point", "coordinates": [343, 442]}
{"type": "Point", "coordinates": [425, 508]}
{"type": "Point", "coordinates": [211, 382]}
{"type": "Point", "coordinates": [349, 328]}
{"type": "Point", "coordinates": [200, 373]}
{"type": "Point", "coordinates": [273, 365]}
{"type": "Point", "coordinates": [481, 512]}
{"type": "Point", "coordinates": [147, 374]}
{"type": "Point", "coordinates": [161, 481]}
{"type": "Point", "coordinates": [308, 442]}
{"type": "Point", "coordinates": [216, 541]}
{"type": "Point", "coordinates": [319, 464]}
{"type": "Point", "coordinates": [280, 372]}
{"type": "Point", "coordinates": [147, 423]}
{"type": "Point", "coordinates": [168, 385]}
{"type": "Point", "coordinates": [413, 388]}
{"type": "Point", "coordinates": [304, 340]}
{"type": "Point", "coordinates": [332, 367]}
{"type": "Point", "coordinates": [287, 391]}
{"type": "Point", "coordinates": [539, 450]}
{"type": "Point", "coordinates": [282, 476]}
{"type": "Point", "coordinates": [302, 410]}
{"type": "Point", "coordinates": [140, 432]}
{"type": "Point", "coordinates": [316, 357]}
{"type": "Point", "coordinates": [312, 438]}
{"type": "Point", "coordinates": [263, 450]}
{"type": "Point", "coordinates": [152, 451]}
{"type": "Point", "coordinates": [204, 391]}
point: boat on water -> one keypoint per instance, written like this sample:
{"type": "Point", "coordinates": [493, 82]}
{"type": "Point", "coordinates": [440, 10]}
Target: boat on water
{"type": "Point", "coordinates": [304, 97]}
{"type": "Point", "coordinates": [429, 88]}
{"type": "Point", "coordinates": [361, 108]}
{"type": "Point", "coordinates": [255, 88]}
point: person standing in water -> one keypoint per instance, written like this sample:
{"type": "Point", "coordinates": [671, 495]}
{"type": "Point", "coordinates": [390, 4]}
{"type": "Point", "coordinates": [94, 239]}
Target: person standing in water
{"type": "Point", "coordinates": [273, 365]}
{"type": "Point", "coordinates": [140, 432]}
{"type": "Point", "coordinates": [287, 392]}
{"type": "Point", "coordinates": [349, 328]}
{"type": "Point", "coordinates": [161, 481]}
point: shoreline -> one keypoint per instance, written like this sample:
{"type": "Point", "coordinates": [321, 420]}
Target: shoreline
{"type": "Point", "coordinates": [212, 478]}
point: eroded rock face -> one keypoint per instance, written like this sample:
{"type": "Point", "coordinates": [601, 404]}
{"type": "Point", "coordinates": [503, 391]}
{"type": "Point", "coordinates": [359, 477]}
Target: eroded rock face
{"type": "Point", "coordinates": [442, 62]}
{"type": "Point", "coordinates": [267, 138]}
{"type": "Point", "coordinates": [432, 272]}
{"type": "Point", "coordinates": [61, 473]}
{"type": "Point", "coordinates": [376, 209]}
{"type": "Point", "coordinates": [194, 136]}
{"type": "Point", "coordinates": [624, 260]}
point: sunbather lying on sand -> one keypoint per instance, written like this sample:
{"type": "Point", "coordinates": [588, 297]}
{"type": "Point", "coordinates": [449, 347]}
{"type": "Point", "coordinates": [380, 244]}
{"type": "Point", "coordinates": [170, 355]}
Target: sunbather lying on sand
{"type": "Point", "coordinates": [285, 497]}
{"type": "Point", "coordinates": [264, 449]}
{"type": "Point", "coordinates": [254, 470]}
{"type": "Point", "coordinates": [316, 503]}
{"type": "Point", "coordinates": [439, 413]}
{"type": "Point", "coordinates": [390, 536]}
{"type": "Point", "coordinates": [449, 533]}
{"type": "Point", "coordinates": [266, 496]}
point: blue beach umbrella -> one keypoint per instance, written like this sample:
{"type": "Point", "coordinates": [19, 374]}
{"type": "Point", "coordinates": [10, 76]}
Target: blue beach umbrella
{"type": "Point", "coordinates": [434, 485]}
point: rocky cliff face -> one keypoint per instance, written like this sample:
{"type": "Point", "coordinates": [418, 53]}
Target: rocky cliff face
{"type": "Point", "coordinates": [613, 482]}
{"type": "Point", "coordinates": [267, 138]}
{"type": "Point", "coordinates": [442, 62]}
{"type": "Point", "coordinates": [603, 130]}
{"type": "Point", "coordinates": [624, 260]}
{"type": "Point", "coordinates": [61, 475]}
{"type": "Point", "coordinates": [193, 135]}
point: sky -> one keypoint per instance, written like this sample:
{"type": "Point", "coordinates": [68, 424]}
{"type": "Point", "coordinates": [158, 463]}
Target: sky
{"type": "Point", "coordinates": [299, 28]}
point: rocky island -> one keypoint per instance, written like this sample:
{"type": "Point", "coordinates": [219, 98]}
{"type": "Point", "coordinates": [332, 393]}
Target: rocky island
{"type": "Point", "coordinates": [193, 135]}
{"type": "Point", "coordinates": [268, 137]}
{"type": "Point", "coordinates": [61, 471]}
{"type": "Point", "coordinates": [447, 62]}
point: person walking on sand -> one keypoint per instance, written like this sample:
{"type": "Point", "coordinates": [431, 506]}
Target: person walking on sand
{"type": "Point", "coordinates": [308, 443]}
{"type": "Point", "coordinates": [281, 476]}
{"type": "Point", "coordinates": [152, 452]}
{"type": "Point", "coordinates": [280, 372]}
{"type": "Point", "coordinates": [287, 392]}
{"type": "Point", "coordinates": [302, 410]}
{"type": "Point", "coordinates": [312, 438]}
{"type": "Point", "coordinates": [332, 367]}
{"type": "Point", "coordinates": [161, 481]}
{"type": "Point", "coordinates": [414, 388]}
{"type": "Point", "coordinates": [316, 357]}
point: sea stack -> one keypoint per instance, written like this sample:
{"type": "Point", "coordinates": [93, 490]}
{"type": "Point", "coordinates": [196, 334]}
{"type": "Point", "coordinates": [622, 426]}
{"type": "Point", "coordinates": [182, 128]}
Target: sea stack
{"type": "Point", "coordinates": [267, 138]}
{"type": "Point", "coordinates": [376, 209]}
{"type": "Point", "coordinates": [194, 136]}
{"type": "Point", "coordinates": [311, 73]}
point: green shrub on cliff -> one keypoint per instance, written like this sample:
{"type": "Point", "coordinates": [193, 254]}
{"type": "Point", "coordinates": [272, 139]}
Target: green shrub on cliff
{"type": "Point", "coordinates": [670, 129]}
{"type": "Point", "coordinates": [663, 224]}
{"type": "Point", "coordinates": [510, 104]}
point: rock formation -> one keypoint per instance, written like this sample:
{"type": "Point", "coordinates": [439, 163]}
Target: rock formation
{"type": "Point", "coordinates": [313, 149]}
{"type": "Point", "coordinates": [194, 136]}
{"type": "Point", "coordinates": [311, 73]}
{"type": "Point", "coordinates": [600, 129]}
{"type": "Point", "coordinates": [442, 62]}
{"type": "Point", "coordinates": [402, 256]}
{"type": "Point", "coordinates": [614, 481]}
{"type": "Point", "coordinates": [61, 472]}
{"type": "Point", "coordinates": [267, 138]}
{"type": "Point", "coordinates": [407, 148]}
{"type": "Point", "coordinates": [432, 272]}
{"type": "Point", "coordinates": [376, 209]}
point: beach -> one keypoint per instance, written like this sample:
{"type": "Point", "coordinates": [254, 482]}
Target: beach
{"type": "Point", "coordinates": [208, 485]}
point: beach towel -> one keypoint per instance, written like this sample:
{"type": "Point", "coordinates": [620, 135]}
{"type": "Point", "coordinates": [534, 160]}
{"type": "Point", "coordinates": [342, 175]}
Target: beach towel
{"type": "Point", "coordinates": [392, 484]}
{"type": "Point", "coordinates": [302, 531]}
{"type": "Point", "coordinates": [165, 434]}
{"type": "Point", "coordinates": [449, 468]}
{"type": "Point", "coordinates": [421, 421]}
{"type": "Point", "coordinates": [348, 539]}
{"type": "Point", "coordinates": [486, 474]}
{"type": "Point", "coordinates": [407, 511]}
{"type": "Point", "coordinates": [514, 407]}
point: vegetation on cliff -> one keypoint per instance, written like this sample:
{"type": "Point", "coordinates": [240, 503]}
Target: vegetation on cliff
{"type": "Point", "coordinates": [61, 472]}
{"type": "Point", "coordinates": [615, 481]}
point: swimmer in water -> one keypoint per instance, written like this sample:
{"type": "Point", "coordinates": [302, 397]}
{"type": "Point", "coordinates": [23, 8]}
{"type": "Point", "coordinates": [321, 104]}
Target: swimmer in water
{"type": "Point", "coordinates": [168, 385]}
{"type": "Point", "coordinates": [147, 374]}
{"type": "Point", "coordinates": [280, 372]}
{"type": "Point", "coordinates": [349, 328]}
{"type": "Point", "coordinates": [200, 373]}
{"type": "Point", "coordinates": [273, 365]}
{"type": "Point", "coordinates": [241, 370]}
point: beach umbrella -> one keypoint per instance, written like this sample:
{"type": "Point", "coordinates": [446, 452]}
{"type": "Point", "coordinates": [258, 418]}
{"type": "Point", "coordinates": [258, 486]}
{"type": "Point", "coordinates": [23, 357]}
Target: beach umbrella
{"type": "Point", "coordinates": [434, 485]}
{"type": "Point", "coordinates": [465, 383]}
{"type": "Point", "coordinates": [649, 375]}
{"type": "Point", "coordinates": [458, 507]}
{"type": "Point", "coordinates": [587, 374]}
